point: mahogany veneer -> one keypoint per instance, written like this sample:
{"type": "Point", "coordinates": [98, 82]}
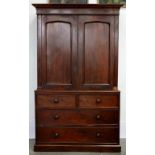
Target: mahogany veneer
{"type": "Point", "coordinates": [73, 135]}
{"type": "Point", "coordinates": [56, 101]}
{"type": "Point", "coordinates": [79, 117]}
{"type": "Point", "coordinates": [77, 101]}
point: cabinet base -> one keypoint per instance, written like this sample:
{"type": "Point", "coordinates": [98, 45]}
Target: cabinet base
{"type": "Point", "coordinates": [76, 148]}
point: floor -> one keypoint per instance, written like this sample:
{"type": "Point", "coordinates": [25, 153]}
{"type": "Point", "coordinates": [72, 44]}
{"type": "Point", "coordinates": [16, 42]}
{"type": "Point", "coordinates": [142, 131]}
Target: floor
{"type": "Point", "coordinates": [123, 152]}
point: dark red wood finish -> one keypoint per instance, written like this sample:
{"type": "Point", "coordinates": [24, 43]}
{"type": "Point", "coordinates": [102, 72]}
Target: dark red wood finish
{"type": "Point", "coordinates": [98, 101]}
{"type": "Point", "coordinates": [76, 148]}
{"type": "Point", "coordinates": [77, 101]}
{"type": "Point", "coordinates": [78, 6]}
{"type": "Point", "coordinates": [59, 50]}
{"type": "Point", "coordinates": [72, 135]}
{"type": "Point", "coordinates": [79, 117]}
{"type": "Point", "coordinates": [96, 50]}
{"type": "Point", "coordinates": [56, 101]}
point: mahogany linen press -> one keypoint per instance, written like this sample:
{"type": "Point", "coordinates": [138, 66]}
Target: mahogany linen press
{"type": "Point", "coordinates": [77, 103]}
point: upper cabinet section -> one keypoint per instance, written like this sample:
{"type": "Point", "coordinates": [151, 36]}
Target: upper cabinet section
{"type": "Point", "coordinates": [77, 46]}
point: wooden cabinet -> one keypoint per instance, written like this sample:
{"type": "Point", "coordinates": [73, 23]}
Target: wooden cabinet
{"type": "Point", "coordinates": [77, 101]}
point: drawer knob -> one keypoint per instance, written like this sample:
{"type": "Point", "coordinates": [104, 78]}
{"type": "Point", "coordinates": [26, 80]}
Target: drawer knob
{"type": "Point", "coordinates": [98, 100]}
{"type": "Point", "coordinates": [98, 116]}
{"type": "Point", "coordinates": [56, 117]}
{"type": "Point", "coordinates": [98, 134]}
{"type": "Point", "coordinates": [56, 135]}
{"type": "Point", "coordinates": [56, 100]}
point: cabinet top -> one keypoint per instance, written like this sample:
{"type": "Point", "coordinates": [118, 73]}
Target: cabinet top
{"type": "Point", "coordinates": [77, 9]}
{"type": "Point", "coordinates": [79, 6]}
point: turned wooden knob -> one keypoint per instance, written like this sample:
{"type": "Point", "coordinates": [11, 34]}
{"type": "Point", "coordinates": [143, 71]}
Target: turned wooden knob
{"type": "Point", "coordinates": [98, 100]}
{"type": "Point", "coordinates": [98, 116]}
{"type": "Point", "coordinates": [56, 100]}
{"type": "Point", "coordinates": [98, 134]}
{"type": "Point", "coordinates": [56, 135]}
{"type": "Point", "coordinates": [56, 117]}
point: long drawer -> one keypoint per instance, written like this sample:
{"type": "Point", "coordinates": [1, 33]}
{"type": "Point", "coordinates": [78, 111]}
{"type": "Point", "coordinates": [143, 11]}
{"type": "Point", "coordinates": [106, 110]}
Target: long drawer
{"type": "Point", "coordinates": [76, 117]}
{"type": "Point", "coordinates": [89, 135]}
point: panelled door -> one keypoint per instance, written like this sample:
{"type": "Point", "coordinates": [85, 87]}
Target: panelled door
{"type": "Point", "coordinates": [95, 52]}
{"type": "Point", "coordinates": [58, 52]}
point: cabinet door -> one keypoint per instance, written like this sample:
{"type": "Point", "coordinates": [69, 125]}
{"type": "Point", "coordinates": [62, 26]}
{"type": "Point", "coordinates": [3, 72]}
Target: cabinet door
{"type": "Point", "coordinates": [96, 52]}
{"type": "Point", "coordinates": [58, 52]}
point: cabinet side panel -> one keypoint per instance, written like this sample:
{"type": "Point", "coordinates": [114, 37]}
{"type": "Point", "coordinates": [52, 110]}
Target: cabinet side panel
{"type": "Point", "coordinates": [39, 36]}
{"type": "Point", "coordinates": [115, 76]}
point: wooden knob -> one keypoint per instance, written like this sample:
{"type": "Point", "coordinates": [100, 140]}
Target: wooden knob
{"type": "Point", "coordinates": [56, 117]}
{"type": "Point", "coordinates": [56, 135]}
{"type": "Point", "coordinates": [98, 116]}
{"type": "Point", "coordinates": [98, 100]}
{"type": "Point", "coordinates": [98, 134]}
{"type": "Point", "coordinates": [56, 100]}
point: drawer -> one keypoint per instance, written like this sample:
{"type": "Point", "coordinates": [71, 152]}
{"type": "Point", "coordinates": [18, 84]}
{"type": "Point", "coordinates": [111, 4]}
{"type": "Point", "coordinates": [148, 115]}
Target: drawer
{"type": "Point", "coordinates": [76, 117]}
{"type": "Point", "coordinates": [89, 135]}
{"type": "Point", "coordinates": [98, 101]}
{"type": "Point", "coordinates": [56, 101]}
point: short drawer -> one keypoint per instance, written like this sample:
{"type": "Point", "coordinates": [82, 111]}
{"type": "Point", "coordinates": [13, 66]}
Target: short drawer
{"type": "Point", "coordinates": [89, 135]}
{"type": "Point", "coordinates": [56, 101]}
{"type": "Point", "coordinates": [76, 117]}
{"type": "Point", "coordinates": [99, 101]}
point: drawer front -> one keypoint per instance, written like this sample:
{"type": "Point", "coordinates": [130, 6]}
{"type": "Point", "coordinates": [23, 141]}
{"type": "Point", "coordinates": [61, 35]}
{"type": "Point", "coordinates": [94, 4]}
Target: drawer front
{"type": "Point", "coordinates": [99, 101]}
{"type": "Point", "coordinates": [89, 135]}
{"type": "Point", "coordinates": [56, 101]}
{"type": "Point", "coordinates": [76, 117]}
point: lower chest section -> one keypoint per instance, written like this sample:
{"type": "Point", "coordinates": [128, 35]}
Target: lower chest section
{"type": "Point", "coordinates": [77, 118]}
